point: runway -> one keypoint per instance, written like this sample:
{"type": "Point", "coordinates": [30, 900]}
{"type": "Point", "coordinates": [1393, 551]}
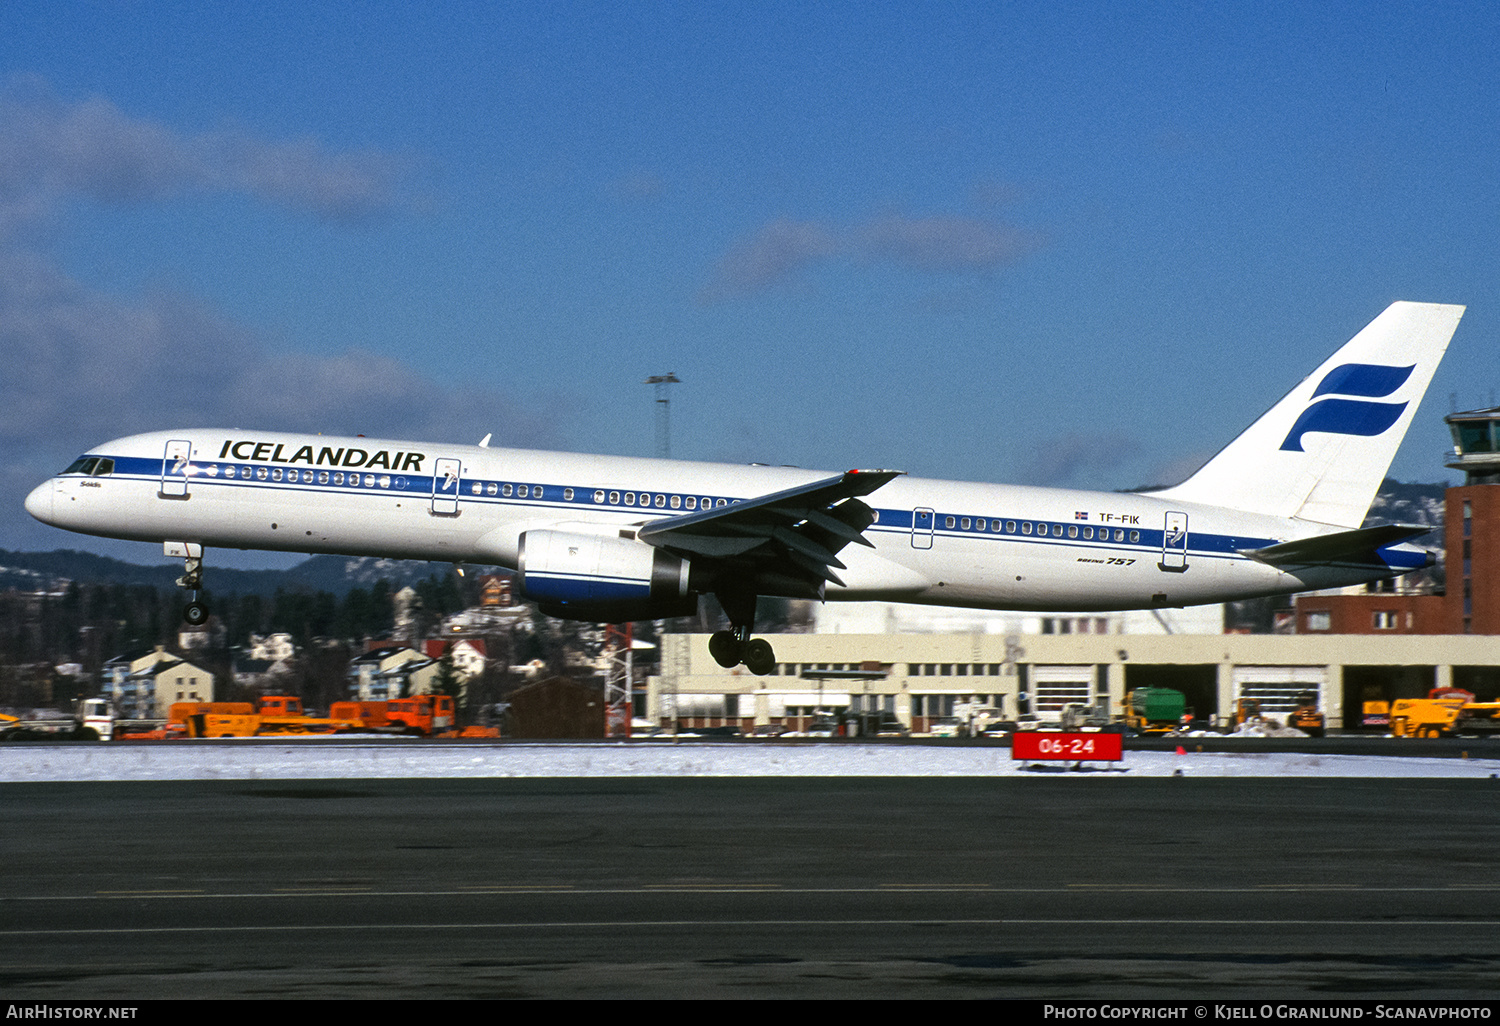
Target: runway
{"type": "Point", "coordinates": [698, 887]}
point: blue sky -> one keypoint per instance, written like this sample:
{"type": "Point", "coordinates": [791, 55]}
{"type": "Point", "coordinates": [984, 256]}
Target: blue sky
{"type": "Point", "coordinates": [1069, 244]}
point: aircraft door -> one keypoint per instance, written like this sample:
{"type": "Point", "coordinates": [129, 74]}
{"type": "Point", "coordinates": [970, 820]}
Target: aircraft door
{"type": "Point", "coordinates": [921, 528]}
{"type": "Point", "coordinates": [446, 478]}
{"type": "Point", "coordinates": [175, 464]}
{"type": "Point", "coordinates": [1174, 542]}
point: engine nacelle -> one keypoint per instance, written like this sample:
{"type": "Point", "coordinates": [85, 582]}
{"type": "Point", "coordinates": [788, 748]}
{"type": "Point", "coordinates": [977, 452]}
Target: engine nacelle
{"type": "Point", "coordinates": [603, 578]}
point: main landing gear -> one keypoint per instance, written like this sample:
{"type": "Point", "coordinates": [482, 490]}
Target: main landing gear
{"type": "Point", "coordinates": [195, 613]}
{"type": "Point", "coordinates": [734, 646]}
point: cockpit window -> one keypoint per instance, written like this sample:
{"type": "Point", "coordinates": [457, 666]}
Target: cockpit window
{"type": "Point", "coordinates": [93, 466]}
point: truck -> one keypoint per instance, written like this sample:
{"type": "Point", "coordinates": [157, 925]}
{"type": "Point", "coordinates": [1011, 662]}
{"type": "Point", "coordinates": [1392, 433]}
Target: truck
{"type": "Point", "coordinates": [1306, 717]}
{"type": "Point", "coordinates": [93, 719]}
{"type": "Point", "coordinates": [423, 715]}
{"type": "Point", "coordinates": [1154, 710]}
{"type": "Point", "coordinates": [1443, 713]}
{"type": "Point", "coordinates": [269, 715]}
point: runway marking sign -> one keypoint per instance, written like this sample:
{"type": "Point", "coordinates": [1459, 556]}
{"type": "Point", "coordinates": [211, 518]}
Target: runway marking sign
{"type": "Point", "coordinates": [1047, 744]}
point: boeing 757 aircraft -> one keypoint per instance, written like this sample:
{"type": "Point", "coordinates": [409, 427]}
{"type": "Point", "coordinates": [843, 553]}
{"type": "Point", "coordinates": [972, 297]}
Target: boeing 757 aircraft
{"type": "Point", "coordinates": [609, 538]}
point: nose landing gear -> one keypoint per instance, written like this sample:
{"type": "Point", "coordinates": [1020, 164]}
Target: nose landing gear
{"type": "Point", "coordinates": [195, 613]}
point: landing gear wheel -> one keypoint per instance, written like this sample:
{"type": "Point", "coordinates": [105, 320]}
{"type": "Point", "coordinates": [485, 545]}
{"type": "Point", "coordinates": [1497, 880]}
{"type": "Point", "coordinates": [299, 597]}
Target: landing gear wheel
{"type": "Point", "coordinates": [195, 613]}
{"type": "Point", "coordinates": [760, 659]}
{"type": "Point", "coordinates": [725, 648]}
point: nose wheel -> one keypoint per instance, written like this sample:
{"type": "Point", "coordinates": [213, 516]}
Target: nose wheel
{"type": "Point", "coordinates": [195, 613]}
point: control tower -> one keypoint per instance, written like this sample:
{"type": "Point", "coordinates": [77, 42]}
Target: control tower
{"type": "Point", "coordinates": [1473, 522]}
{"type": "Point", "coordinates": [1476, 445]}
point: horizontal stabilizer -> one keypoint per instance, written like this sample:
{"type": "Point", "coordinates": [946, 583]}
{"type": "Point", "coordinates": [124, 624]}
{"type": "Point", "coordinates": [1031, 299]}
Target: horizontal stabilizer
{"type": "Point", "coordinates": [1357, 547]}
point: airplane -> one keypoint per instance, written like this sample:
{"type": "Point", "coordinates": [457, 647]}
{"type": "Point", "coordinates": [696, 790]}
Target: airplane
{"type": "Point", "coordinates": [610, 539]}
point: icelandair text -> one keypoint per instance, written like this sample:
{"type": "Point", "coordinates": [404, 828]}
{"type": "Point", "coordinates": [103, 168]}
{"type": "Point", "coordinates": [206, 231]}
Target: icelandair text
{"type": "Point", "coordinates": [327, 456]}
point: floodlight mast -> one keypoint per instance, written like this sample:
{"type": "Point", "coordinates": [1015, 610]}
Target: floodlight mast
{"type": "Point", "coordinates": [663, 411]}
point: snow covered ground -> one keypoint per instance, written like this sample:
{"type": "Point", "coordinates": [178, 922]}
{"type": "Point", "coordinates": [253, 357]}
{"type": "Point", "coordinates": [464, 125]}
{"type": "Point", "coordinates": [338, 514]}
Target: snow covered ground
{"type": "Point", "coordinates": [315, 759]}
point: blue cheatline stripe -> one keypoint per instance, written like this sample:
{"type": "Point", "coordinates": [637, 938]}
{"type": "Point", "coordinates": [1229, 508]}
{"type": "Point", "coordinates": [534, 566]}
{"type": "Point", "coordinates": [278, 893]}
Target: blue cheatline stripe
{"type": "Point", "coordinates": [893, 522]}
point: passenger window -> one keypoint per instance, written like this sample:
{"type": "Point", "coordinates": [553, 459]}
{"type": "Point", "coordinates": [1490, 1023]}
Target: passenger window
{"type": "Point", "coordinates": [692, 502]}
{"type": "Point", "coordinates": [599, 496]}
{"type": "Point", "coordinates": [630, 498]}
{"type": "Point", "coordinates": [1072, 530]}
{"type": "Point", "coordinates": [506, 491]}
{"type": "Point", "coordinates": [661, 500]}
{"type": "Point", "coordinates": [676, 502]}
{"type": "Point", "coordinates": [276, 474]}
{"type": "Point", "coordinates": [567, 495]}
{"type": "Point", "coordinates": [1135, 536]}
{"type": "Point", "coordinates": [1057, 530]}
{"type": "Point", "coordinates": [964, 523]}
{"type": "Point", "coordinates": [614, 498]}
{"type": "Point", "coordinates": [948, 522]}
{"type": "Point", "coordinates": [492, 489]}
{"type": "Point", "coordinates": [1026, 527]}
{"type": "Point", "coordinates": [1010, 527]}
{"type": "Point", "coordinates": [322, 476]}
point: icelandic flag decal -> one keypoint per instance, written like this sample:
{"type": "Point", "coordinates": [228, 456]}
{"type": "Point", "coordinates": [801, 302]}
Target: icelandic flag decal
{"type": "Point", "coordinates": [1351, 416]}
{"type": "Point", "coordinates": [1080, 516]}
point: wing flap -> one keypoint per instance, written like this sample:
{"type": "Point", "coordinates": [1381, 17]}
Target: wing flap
{"type": "Point", "coordinates": [791, 535]}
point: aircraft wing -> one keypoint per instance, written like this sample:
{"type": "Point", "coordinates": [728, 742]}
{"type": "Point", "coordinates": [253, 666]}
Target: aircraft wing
{"type": "Point", "coordinates": [786, 540]}
{"type": "Point", "coordinates": [1359, 547]}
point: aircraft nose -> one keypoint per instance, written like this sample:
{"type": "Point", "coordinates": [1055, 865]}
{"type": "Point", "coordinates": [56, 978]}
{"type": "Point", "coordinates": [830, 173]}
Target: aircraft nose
{"type": "Point", "coordinates": [39, 503]}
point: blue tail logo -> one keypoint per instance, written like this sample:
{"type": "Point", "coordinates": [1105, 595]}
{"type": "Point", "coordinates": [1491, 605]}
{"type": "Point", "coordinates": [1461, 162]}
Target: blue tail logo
{"type": "Point", "coordinates": [1351, 416]}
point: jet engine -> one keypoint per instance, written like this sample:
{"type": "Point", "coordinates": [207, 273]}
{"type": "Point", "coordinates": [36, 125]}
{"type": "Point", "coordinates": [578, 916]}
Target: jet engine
{"type": "Point", "coordinates": [603, 578]}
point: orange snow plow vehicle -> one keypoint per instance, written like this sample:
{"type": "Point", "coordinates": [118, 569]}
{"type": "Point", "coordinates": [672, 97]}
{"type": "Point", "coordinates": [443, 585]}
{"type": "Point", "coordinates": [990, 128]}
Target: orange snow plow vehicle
{"type": "Point", "coordinates": [270, 715]}
{"type": "Point", "coordinates": [1443, 713]}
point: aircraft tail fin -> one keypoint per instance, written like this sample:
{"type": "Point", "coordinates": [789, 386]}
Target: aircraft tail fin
{"type": "Point", "coordinates": [1321, 452]}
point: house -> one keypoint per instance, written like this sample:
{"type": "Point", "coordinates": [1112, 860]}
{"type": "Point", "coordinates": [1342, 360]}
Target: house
{"type": "Point", "coordinates": [143, 685]}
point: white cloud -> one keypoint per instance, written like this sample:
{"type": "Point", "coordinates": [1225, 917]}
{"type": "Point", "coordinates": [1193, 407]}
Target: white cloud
{"type": "Point", "coordinates": [778, 252]}
{"type": "Point", "coordinates": [81, 366]}
{"type": "Point", "coordinates": [53, 151]}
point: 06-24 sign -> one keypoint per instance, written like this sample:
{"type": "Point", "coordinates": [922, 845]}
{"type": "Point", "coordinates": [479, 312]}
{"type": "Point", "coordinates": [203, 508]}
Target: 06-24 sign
{"type": "Point", "coordinates": [1046, 744]}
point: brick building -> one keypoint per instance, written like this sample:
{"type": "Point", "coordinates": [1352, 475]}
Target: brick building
{"type": "Point", "coordinates": [1471, 535]}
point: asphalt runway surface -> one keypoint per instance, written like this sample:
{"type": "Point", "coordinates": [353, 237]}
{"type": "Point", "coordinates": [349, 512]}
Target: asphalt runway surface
{"type": "Point", "coordinates": [802, 887]}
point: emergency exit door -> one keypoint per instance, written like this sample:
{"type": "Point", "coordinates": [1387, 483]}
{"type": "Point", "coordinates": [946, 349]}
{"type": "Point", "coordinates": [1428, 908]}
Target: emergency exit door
{"type": "Point", "coordinates": [175, 464]}
{"type": "Point", "coordinates": [446, 479]}
{"type": "Point", "coordinates": [921, 528]}
{"type": "Point", "coordinates": [1174, 543]}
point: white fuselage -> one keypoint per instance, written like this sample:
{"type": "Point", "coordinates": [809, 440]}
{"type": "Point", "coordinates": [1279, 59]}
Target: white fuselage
{"type": "Point", "coordinates": [938, 542]}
